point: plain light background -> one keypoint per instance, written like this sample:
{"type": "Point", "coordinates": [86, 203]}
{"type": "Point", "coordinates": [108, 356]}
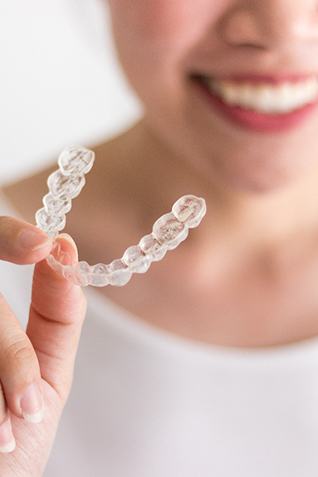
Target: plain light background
{"type": "Point", "coordinates": [60, 82]}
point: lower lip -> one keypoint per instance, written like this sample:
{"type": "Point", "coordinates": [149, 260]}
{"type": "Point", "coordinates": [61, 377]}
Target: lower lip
{"type": "Point", "coordinates": [253, 120]}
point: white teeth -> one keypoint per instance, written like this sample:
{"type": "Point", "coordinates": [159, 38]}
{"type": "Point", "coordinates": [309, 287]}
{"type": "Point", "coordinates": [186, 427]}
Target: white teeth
{"type": "Point", "coordinates": [266, 98]}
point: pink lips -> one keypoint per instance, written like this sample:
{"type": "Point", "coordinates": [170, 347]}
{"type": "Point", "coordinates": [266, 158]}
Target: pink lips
{"type": "Point", "coordinates": [253, 120]}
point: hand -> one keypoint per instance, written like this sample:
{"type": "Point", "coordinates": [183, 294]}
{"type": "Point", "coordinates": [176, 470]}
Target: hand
{"type": "Point", "coordinates": [36, 366]}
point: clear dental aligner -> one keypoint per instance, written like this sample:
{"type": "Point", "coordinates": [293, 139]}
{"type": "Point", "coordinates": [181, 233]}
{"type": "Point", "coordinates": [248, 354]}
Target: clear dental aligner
{"type": "Point", "coordinates": [167, 233]}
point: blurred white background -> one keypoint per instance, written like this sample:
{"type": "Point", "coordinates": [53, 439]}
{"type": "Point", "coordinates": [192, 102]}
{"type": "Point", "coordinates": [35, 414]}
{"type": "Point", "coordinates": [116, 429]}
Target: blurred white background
{"type": "Point", "coordinates": [60, 81]}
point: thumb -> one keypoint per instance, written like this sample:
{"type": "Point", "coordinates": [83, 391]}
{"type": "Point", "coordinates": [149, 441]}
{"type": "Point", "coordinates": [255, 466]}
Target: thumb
{"type": "Point", "coordinates": [57, 312]}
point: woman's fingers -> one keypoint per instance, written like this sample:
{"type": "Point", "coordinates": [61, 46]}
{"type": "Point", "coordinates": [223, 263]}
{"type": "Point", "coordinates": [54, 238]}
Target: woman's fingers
{"type": "Point", "coordinates": [19, 366]}
{"type": "Point", "coordinates": [21, 242]}
{"type": "Point", "coordinates": [56, 316]}
{"type": "Point", "coordinates": [57, 311]}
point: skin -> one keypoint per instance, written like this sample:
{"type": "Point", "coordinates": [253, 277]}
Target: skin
{"type": "Point", "coordinates": [44, 354]}
{"type": "Point", "coordinates": [257, 246]}
{"type": "Point", "coordinates": [160, 43]}
{"type": "Point", "coordinates": [251, 254]}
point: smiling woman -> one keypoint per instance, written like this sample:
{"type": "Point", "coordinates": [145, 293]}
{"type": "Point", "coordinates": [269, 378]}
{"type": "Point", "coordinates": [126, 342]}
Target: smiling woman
{"type": "Point", "coordinates": [207, 364]}
{"type": "Point", "coordinates": [240, 43]}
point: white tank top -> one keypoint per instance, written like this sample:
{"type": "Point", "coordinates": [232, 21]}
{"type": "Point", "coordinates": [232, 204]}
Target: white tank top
{"type": "Point", "coordinates": [147, 403]}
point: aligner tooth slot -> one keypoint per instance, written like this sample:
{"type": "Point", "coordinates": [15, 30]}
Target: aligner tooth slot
{"type": "Point", "coordinates": [70, 185]}
{"type": "Point", "coordinates": [49, 223]}
{"type": "Point", "coordinates": [58, 206]}
{"type": "Point", "coordinates": [190, 210]}
{"type": "Point", "coordinates": [119, 273]}
{"type": "Point", "coordinates": [81, 273]}
{"type": "Point", "coordinates": [76, 160]}
{"type": "Point", "coordinates": [136, 260]}
{"type": "Point", "coordinates": [169, 231]}
{"type": "Point", "coordinates": [151, 247]}
{"type": "Point", "coordinates": [99, 276]}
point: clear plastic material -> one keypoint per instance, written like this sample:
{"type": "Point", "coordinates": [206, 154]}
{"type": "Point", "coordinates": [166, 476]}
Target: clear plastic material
{"type": "Point", "coordinates": [167, 233]}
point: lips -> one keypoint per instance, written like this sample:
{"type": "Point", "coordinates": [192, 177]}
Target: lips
{"type": "Point", "coordinates": [260, 103]}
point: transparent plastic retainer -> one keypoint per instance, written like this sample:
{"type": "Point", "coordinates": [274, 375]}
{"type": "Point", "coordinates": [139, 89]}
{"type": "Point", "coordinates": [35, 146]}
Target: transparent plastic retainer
{"type": "Point", "coordinates": [167, 233]}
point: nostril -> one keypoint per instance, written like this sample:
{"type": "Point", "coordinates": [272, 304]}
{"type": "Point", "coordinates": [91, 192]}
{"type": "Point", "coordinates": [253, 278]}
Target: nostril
{"type": "Point", "coordinates": [269, 25]}
{"type": "Point", "coordinates": [242, 28]}
{"type": "Point", "coordinates": [252, 46]}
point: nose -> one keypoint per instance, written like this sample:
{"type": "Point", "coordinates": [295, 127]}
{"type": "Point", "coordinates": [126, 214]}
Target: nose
{"type": "Point", "coordinates": [268, 24]}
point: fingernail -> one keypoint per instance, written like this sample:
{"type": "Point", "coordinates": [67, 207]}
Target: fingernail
{"type": "Point", "coordinates": [7, 440]}
{"type": "Point", "coordinates": [58, 251]}
{"type": "Point", "coordinates": [31, 239]}
{"type": "Point", "coordinates": [59, 254]}
{"type": "Point", "coordinates": [71, 241]}
{"type": "Point", "coordinates": [32, 403]}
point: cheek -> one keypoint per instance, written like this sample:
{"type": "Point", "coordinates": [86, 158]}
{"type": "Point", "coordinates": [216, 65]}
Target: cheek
{"type": "Point", "coordinates": [152, 21]}
{"type": "Point", "coordinates": [163, 30]}
{"type": "Point", "coordinates": [153, 39]}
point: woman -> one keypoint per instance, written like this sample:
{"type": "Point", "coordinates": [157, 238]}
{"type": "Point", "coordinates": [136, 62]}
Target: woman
{"type": "Point", "coordinates": [224, 380]}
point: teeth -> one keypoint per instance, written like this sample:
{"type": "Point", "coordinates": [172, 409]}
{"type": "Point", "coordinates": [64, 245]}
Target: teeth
{"type": "Point", "coordinates": [266, 98]}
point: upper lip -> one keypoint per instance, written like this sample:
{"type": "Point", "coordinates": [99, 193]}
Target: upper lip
{"type": "Point", "coordinates": [275, 78]}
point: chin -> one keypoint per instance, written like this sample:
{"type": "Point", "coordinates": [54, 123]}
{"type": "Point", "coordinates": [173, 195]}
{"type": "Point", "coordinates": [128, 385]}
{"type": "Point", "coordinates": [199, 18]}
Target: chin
{"type": "Point", "coordinates": [253, 175]}
{"type": "Point", "coordinates": [260, 183]}
{"type": "Point", "coordinates": [259, 169]}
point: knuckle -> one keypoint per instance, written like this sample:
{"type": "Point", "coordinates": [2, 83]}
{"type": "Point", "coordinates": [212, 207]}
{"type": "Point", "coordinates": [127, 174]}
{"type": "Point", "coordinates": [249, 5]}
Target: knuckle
{"type": "Point", "coordinates": [19, 351]}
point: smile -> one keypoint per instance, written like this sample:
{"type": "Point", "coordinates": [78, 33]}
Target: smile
{"type": "Point", "coordinates": [262, 104]}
